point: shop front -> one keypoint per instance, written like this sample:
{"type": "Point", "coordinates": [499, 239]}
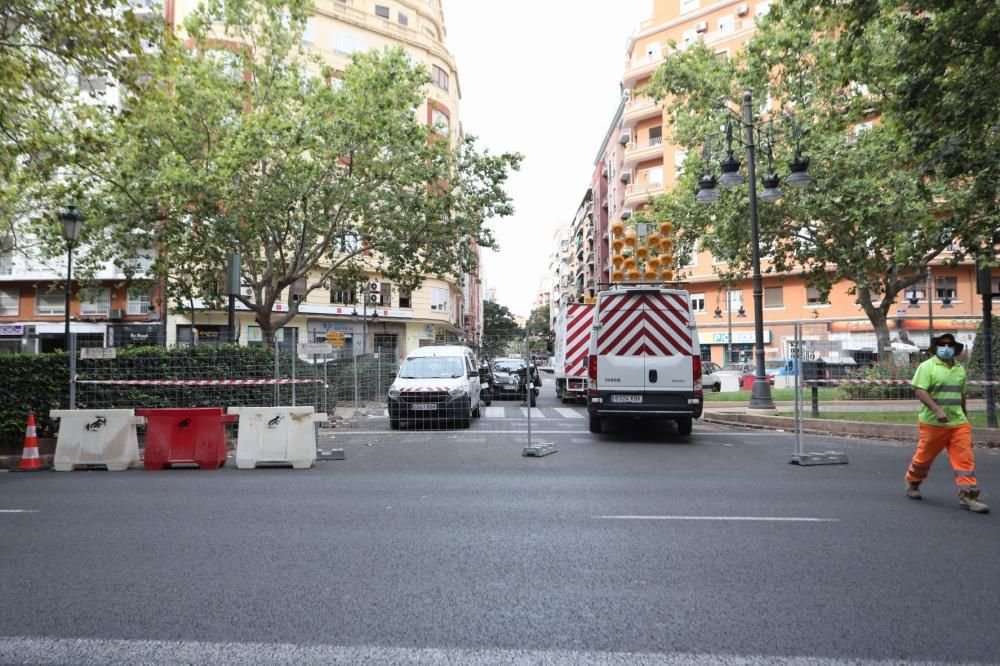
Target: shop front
{"type": "Point", "coordinates": [716, 344]}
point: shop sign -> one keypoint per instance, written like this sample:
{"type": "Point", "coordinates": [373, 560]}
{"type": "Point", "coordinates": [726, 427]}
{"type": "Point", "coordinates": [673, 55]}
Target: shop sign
{"type": "Point", "coordinates": [739, 337]}
{"type": "Point", "coordinates": [11, 329]}
{"type": "Point", "coordinates": [858, 325]}
{"type": "Point", "coordinates": [941, 324]}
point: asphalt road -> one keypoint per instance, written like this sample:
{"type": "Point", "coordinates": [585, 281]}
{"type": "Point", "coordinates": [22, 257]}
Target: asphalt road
{"type": "Point", "coordinates": [427, 546]}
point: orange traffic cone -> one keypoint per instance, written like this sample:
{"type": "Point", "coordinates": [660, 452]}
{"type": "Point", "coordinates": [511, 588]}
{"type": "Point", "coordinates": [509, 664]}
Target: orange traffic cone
{"type": "Point", "coordinates": [30, 460]}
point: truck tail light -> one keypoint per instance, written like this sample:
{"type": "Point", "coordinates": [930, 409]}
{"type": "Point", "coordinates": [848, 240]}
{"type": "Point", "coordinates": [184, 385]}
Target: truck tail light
{"type": "Point", "coordinates": [592, 368]}
{"type": "Point", "coordinates": [696, 368]}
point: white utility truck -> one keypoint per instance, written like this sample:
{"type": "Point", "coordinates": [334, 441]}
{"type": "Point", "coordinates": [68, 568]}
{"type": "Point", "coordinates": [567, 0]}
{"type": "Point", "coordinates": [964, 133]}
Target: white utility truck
{"type": "Point", "coordinates": [573, 325]}
{"type": "Point", "coordinates": [644, 359]}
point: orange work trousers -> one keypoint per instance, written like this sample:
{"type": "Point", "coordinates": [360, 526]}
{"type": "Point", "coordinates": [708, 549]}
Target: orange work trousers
{"type": "Point", "coordinates": [958, 441]}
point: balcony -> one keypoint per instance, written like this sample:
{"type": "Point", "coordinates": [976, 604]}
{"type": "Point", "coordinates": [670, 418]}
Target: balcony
{"type": "Point", "coordinates": [637, 194]}
{"type": "Point", "coordinates": [649, 149]}
{"type": "Point", "coordinates": [640, 68]}
{"type": "Point", "coordinates": [640, 109]}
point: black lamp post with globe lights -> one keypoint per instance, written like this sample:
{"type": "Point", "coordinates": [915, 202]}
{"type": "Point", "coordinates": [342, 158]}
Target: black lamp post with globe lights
{"type": "Point", "coordinates": [72, 223]}
{"type": "Point", "coordinates": [760, 397]}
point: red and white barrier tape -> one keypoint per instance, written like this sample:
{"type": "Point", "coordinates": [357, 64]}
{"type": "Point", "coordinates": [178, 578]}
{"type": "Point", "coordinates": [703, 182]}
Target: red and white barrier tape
{"type": "Point", "coordinates": [886, 382]}
{"type": "Point", "coordinates": [199, 382]}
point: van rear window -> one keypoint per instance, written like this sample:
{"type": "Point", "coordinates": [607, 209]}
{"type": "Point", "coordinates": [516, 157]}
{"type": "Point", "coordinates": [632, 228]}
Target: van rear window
{"type": "Point", "coordinates": [432, 367]}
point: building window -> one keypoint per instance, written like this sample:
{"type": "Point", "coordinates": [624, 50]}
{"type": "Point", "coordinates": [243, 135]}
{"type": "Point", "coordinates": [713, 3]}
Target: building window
{"type": "Point", "coordinates": [735, 300]}
{"type": "Point", "coordinates": [689, 5]}
{"type": "Point", "coordinates": [653, 177]}
{"type": "Point", "coordinates": [344, 294]}
{"type": "Point", "coordinates": [309, 32]}
{"type": "Point", "coordinates": [347, 43]}
{"type": "Point", "coordinates": [10, 302]}
{"type": "Point", "coordinates": [440, 77]}
{"type": "Point", "coordinates": [680, 156]}
{"type": "Point", "coordinates": [403, 19]}
{"type": "Point", "coordinates": [348, 242]}
{"type": "Point", "coordinates": [95, 302]}
{"type": "Point", "coordinates": [92, 85]}
{"type": "Point", "coordinates": [774, 297]}
{"type": "Point", "coordinates": [440, 120]}
{"type": "Point", "coordinates": [945, 287]}
{"type": "Point", "coordinates": [50, 304]}
{"type": "Point", "coordinates": [698, 302]}
{"type": "Point", "coordinates": [404, 299]}
{"type": "Point", "coordinates": [655, 135]}
{"type": "Point", "coordinates": [915, 292]}
{"type": "Point", "coordinates": [688, 37]}
{"type": "Point", "coordinates": [385, 295]}
{"type": "Point", "coordinates": [382, 10]}
{"type": "Point", "coordinates": [439, 299]}
{"type": "Point", "coordinates": [6, 263]}
{"type": "Point", "coordinates": [386, 343]}
{"type": "Point", "coordinates": [762, 9]}
{"type": "Point", "coordinates": [813, 297]}
{"type": "Point", "coordinates": [139, 302]}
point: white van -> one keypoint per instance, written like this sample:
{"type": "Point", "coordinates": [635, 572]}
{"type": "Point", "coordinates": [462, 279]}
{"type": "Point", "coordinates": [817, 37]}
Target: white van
{"type": "Point", "coordinates": [645, 357]}
{"type": "Point", "coordinates": [436, 383]}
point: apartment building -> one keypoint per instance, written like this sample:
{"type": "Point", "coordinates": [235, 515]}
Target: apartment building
{"type": "Point", "coordinates": [377, 316]}
{"type": "Point", "coordinates": [637, 161]}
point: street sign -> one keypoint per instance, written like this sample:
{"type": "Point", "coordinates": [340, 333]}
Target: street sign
{"type": "Point", "coordinates": [824, 345]}
{"type": "Point", "coordinates": [315, 348]}
{"type": "Point", "coordinates": [335, 338]}
{"type": "Point", "coordinates": [98, 352]}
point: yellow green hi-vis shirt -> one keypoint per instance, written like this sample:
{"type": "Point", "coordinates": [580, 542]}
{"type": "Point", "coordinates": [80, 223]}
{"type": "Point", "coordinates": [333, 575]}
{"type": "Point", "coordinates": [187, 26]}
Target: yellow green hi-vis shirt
{"type": "Point", "coordinates": [946, 386]}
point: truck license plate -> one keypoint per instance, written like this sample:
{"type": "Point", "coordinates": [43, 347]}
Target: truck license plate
{"type": "Point", "coordinates": [424, 407]}
{"type": "Point", "coordinates": [627, 398]}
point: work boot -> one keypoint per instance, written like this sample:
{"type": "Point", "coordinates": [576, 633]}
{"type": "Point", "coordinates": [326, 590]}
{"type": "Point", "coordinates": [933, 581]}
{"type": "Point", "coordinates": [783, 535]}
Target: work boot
{"type": "Point", "coordinates": [913, 490]}
{"type": "Point", "coordinates": [969, 499]}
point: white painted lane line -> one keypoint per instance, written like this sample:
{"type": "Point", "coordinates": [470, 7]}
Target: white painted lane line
{"type": "Point", "coordinates": [118, 651]}
{"type": "Point", "coordinates": [569, 413]}
{"type": "Point", "coordinates": [535, 413]}
{"type": "Point", "coordinates": [763, 519]}
{"type": "Point", "coordinates": [19, 510]}
{"type": "Point", "coordinates": [494, 413]}
{"type": "Point", "coordinates": [395, 433]}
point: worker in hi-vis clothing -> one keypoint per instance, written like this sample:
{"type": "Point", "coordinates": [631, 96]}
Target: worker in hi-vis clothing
{"type": "Point", "coordinates": [944, 424]}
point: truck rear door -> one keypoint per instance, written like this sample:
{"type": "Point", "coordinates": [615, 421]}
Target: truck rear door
{"type": "Point", "coordinates": [668, 342]}
{"type": "Point", "coordinates": [621, 343]}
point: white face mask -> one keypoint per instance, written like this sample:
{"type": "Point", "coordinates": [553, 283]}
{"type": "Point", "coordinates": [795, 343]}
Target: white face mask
{"type": "Point", "coordinates": [946, 353]}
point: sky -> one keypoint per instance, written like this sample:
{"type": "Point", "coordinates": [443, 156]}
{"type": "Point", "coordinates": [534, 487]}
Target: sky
{"type": "Point", "coordinates": [541, 78]}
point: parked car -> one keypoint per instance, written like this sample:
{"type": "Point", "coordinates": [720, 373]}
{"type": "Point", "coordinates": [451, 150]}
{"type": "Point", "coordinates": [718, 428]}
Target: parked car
{"type": "Point", "coordinates": [741, 370]}
{"type": "Point", "coordinates": [439, 383]}
{"type": "Point", "coordinates": [509, 375]}
{"type": "Point", "coordinates": [709, 380]}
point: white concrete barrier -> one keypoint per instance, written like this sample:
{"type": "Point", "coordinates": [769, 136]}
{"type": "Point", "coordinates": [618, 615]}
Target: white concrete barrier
{"type": "Point", "coordinates": [729, 383]}
{"type": "Point", "coordinates": [276, 435]}
{"type": "Point", "coordinates": [96, 437]}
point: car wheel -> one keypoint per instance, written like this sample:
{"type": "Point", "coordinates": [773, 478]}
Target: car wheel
{"type": "Point", "coordinates": [716, 387]}
{"type": "Point", "coordinates": [477, 412]}
{"type": "Point", "coordinates": [596, 425]}
{"type": "Point", "coordinates": [684, 425]}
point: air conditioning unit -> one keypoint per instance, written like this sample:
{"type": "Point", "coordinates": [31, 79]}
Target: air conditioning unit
{"type": "Point", "coordinates": [374, 286]}
{"type": "Point", "coordinates": [626, 214]}
{"type": "Point", "coordinates": [625, 177]}
{"type": "Point", "coordinates": [742, 10]}
{"type": "Point", "coordinates": [624, 137]}
{"type": "Point", "coordinates": [247, 291]}
{"type": "Point", "coordinates": [374, 298]}
{"type": "Point", "coordinates": [116, 313]}
{"type": "Point", "coordinates": [701, 26]}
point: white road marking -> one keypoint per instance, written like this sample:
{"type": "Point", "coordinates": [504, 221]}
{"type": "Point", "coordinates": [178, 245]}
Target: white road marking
{"type": "Point", "coordinates": [494, 413]}
{"type": "Point", "coordinates": [764, 519]}
{"type": "Point", "coordinates": [395, 433]}
{"type": "Point", "coordinates": [568, 413]}
{"type": "Point", "coordinates": [535, 413]}
{"type": "Point", "coordinates": [18, 510]}
{"type": "Point", "coordinates": [117, 651]}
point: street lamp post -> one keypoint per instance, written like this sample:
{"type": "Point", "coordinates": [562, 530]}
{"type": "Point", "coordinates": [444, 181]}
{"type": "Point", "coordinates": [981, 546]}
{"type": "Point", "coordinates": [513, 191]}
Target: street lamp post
{"type": "Point", "coordinates": [72, 222]}
{"type": "Point", "coordinates": [760, 397]}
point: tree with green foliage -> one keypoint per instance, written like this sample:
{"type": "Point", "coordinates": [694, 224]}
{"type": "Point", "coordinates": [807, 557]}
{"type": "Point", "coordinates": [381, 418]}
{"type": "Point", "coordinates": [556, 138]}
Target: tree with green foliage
{"type": "Point", "coordinates": [540, 329]}
{"type": "Point", "coordinates": [46, 48]}
{"type": "Point", "coordinates": [501, 333]}
{"type": "Point", "coordinates": [874, 217]}
{"type": "Point", "coordinates": [251, 149]}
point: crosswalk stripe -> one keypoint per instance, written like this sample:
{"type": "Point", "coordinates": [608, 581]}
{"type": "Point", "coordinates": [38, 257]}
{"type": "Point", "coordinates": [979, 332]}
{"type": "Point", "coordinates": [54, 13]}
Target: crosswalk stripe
{"type": "Point", "coordinates": [568, 413]}
{"type": "Point", "coordinates": [535, 413]}
{"type": "Point", "coordinates": [494, 412]}
{"type": "Point", "coordinates": [38, 650]}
